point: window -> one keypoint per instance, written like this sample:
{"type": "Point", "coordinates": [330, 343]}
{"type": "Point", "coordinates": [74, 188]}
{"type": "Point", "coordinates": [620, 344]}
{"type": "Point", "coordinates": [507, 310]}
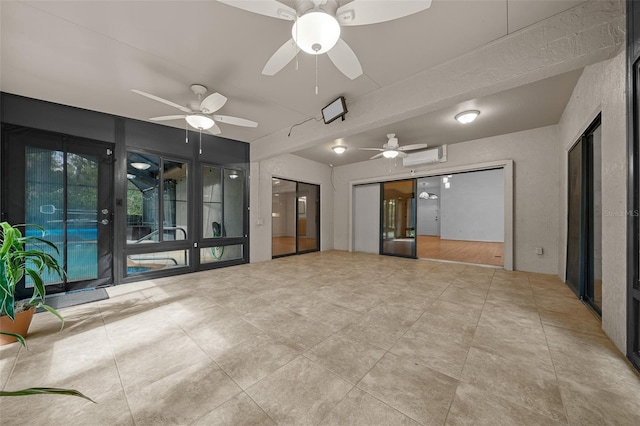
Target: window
{"type": "Point", "coordinates": [149, 176]}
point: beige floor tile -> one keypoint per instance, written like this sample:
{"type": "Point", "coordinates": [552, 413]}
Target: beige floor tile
{"type": "Point", "coordinates": [303, 333]}
{"type": "Point", "coordinates": [509, 379]}
{"type": "Point", "coordinates": [239, 410]}
{"type": "Point", "coordinates": [300, 393]}
{"type": "Point", "coordinates": [440, 343]}
{"type": "Point", "coordinates": [182, 397]}
{"type": "Point", "coordinates": [591, 406]}
{"type": "Point", "coordinates": [475, 407]}
{"type": "Point", "coordinates": [256, 358]}
{"type": "Point", "coordinates": [348, 357]}
{"type": "Point", "coordinates": [361, 409]}
{"type": "Point", "coordinates": [580, 321]}
{"type": "Point", "coordinates": [411, 388]}
{"type": "Point", "coordinates": [148, 363]}
{"type": "Point", "coordinates": [454, 310]}
{"type": "Point", "coordinates": [269, 318]}
{"type": "Point", "coordinates": [215, 338]}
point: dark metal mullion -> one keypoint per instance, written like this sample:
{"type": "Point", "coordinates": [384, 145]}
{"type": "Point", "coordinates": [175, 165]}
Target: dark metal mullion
{"type": "Point", "coordinates": [65, 207]}
{"type": "Point", "coordinates": [295, 216]}
{"type": "Point", "coordinates": [161, 199]}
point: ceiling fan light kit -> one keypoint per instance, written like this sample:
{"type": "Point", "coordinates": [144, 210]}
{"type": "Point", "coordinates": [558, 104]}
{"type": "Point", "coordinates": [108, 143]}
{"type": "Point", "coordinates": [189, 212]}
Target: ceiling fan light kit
{"type": "Point", "coordinates": [316, 32]}
{"type": "Point", "coordinates": [339, 149]}
{"type": "Point", "coordinates": [390, 154]}
{"type": "Point", "coordinates": [200, 122]}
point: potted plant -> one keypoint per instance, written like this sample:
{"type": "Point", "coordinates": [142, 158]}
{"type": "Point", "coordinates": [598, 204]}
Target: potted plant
{"type": "Point", "coordinates": [17, 262]}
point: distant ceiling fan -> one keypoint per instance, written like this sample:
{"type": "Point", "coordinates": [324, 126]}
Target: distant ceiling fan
{"type": "Point", "coordinates": [198, 114]}
{"type": "Point", "coordinates": [317, 23]}
{"type": "Point", "coordinates": [391, 149]}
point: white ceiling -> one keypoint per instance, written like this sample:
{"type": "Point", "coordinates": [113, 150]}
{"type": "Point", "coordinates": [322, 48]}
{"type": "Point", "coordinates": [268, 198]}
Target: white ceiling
{"type": "Point", "coordinates": [90, 54]}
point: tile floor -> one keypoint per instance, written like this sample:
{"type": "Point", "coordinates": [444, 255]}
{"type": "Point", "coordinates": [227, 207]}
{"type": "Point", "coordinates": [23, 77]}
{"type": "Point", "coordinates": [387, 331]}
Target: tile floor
{"type": "Point", "coordinates": [330, 338]}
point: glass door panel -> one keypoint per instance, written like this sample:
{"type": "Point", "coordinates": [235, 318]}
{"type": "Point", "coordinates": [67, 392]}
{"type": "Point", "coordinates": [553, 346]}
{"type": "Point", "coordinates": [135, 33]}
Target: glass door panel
{"type": "Point", "coordinates": [283, 217]}
{"type": "Point", "coordinates": [594, 281]}
{"type": "Point", "coordinates": [67, 190]}
{"type": "Point", "coordinates": [308, 224]}
{"type": "Point", "coordinates": [575, 218]}
{"type": "Point", "coordinates": [398, 219]}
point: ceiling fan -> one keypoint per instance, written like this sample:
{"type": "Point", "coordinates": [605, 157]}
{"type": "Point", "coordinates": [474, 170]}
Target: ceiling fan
{"type": "Point", "coordinates": [391, 149]}
{"type": "Point", "coordinates": [317, 23]}
{"type": "Point", "coordinates": [199, 114]}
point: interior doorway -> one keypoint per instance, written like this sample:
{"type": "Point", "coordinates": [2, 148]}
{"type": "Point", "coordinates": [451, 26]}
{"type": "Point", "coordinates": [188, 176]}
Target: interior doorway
{"type": "Point", "coordinates": [295, 217]}
{"type": "Point", "coordinates": [460, 217]}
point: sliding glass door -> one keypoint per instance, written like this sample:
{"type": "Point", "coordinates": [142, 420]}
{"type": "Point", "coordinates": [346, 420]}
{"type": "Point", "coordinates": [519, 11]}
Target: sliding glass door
{"type": "Point", "coordinates": [398, 224]}
{"type": "Point", "coordinates": [295, 217]}
{"type": "Point", "coordinates": [584, 237]}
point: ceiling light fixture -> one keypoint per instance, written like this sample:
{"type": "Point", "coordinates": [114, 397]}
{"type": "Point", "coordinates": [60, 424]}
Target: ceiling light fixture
{"type": "Point", "coordinates": [141, 166]}
{"type": "Point", "coordinates": [467, 117]}
{"type": "Point", "coordinates": [233, 174]}
{"type": "Point", "coordinates": [339, 149]}
{"type": "Point", "coordinates": [131, 176]}
{"type": "Point", "coordinates": [200, 122]}
{"type": "Point", "coordinates": [316, 32]}
{"type": "Point", "coordinates": [390, 153]}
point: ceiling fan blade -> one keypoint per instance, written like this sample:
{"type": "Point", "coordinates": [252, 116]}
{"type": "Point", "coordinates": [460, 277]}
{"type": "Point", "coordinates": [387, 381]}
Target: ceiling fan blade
{"type": "Point", "coordinates": [281, 58]}
{"type": "Point", "coordinates": [376, 156]}
{"type": "Point", "coordinates": [345, 60]}
{"type": "Point", "coordinates": [363, 12]}
{"type": "Point", "coordinates": [271, 8]}
{"type": "Point", "coordinates": [215, 130]}
{"type": "Point", "coordinates": [212, 103]}
{"type": "Point", "coordinates": [413, 147]}
{"type": "Point", "coordinates": [236, 121]}
{"type": "Point", "coordinates": [371, 149]}
{"type": "Point", "coordinates": [164, 101]}
{"type": "Point", "coordinates": [168, 117]}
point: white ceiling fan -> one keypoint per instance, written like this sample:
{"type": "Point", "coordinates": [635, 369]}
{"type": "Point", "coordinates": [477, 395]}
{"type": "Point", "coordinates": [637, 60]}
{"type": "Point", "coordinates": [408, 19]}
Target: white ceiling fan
{"type": "Point", "coordinates": [317, 23]}
{"type": "Point", "coordinates": [199, 114]}
{"type": "Point", "coordinates": [391, 149]}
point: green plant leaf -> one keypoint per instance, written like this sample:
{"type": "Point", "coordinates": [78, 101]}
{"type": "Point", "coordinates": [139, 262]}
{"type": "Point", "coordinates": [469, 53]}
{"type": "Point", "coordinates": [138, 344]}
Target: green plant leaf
{"type": "Point", "coordinates": [46, 391]}
{"type": "Point", "coordinates": [53, 311]}
{"type": "Point", "coordinates": [18, 337]}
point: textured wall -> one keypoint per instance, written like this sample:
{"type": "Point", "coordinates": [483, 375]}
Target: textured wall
{"type": "Point", "coordinates": [601, 89]}
{"type": "Point", "coordinates": [536, 189]}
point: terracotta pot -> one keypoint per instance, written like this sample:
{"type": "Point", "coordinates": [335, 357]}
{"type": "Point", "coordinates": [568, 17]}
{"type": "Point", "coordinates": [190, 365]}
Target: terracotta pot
{"type": "Point", "coordinates": [19, 326]}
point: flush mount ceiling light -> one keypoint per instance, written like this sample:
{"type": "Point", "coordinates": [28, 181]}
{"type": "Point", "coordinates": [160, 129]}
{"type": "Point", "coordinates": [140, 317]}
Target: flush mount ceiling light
{"type": "Point", "coordinates": [141, 166]}
{"type": "Point", "coordinates": [316, 32]}
{"type": "Point", "coordinates": [339, 149]}
{"type": "Point", "coordinates": [200, 122]}
{"type": "Point", "coordinates": [467, 117]}
{"type": "Point", "coordinates": [233, 175]}
{"type": "Point", "coordinates": [390, 154]}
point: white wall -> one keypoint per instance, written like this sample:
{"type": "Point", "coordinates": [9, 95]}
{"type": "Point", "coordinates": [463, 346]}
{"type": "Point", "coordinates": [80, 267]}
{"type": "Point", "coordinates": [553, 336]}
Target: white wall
{"type": "Point", "coordinates": [472, 208]}
{"type": "Point", "coordinates": [601, 88]}
{"type": "Point", "coordinates": [536, 187]}
{"type": "Point", "coordinates": [288, 167]}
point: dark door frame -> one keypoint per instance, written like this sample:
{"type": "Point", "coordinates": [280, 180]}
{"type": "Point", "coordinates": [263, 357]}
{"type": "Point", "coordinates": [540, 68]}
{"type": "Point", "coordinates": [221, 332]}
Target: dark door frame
{"type": "Point", "coordinates": [13, 155]}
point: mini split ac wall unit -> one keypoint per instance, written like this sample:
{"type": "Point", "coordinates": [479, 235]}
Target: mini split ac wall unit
{"type": "Point", "coordinates": [428, 156]}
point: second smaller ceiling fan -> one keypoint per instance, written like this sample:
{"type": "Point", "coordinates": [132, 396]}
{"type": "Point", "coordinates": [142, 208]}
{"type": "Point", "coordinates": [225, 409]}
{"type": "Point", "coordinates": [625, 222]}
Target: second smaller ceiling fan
{"type": "Point", "coordinates": [199, 114]}
{"type": "Point", "coordinates": [392, 149]}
